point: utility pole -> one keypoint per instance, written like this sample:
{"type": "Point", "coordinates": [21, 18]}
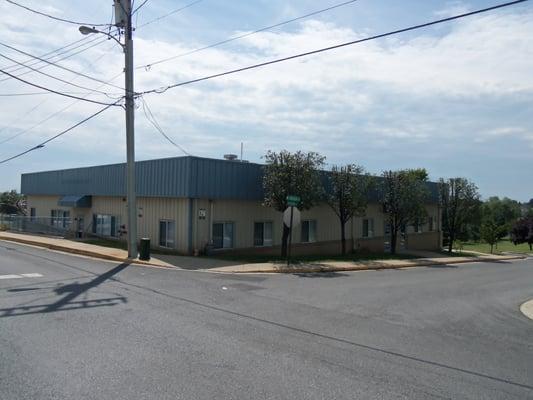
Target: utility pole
{"type": "Point", "coordinates": [123, 20]}
{"type": "Point", "coordinates": [125, 5]}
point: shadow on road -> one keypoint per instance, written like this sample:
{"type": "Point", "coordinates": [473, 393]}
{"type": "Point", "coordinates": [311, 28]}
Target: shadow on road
{"type": "Point", "coordinates": [71, 292]}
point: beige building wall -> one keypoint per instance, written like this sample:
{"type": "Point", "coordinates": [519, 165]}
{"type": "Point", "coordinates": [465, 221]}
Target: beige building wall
{"type": "Point", "coordinates": [243, 214]}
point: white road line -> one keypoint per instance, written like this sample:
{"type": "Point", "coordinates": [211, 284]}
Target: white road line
{"type": "Point", "coordinates": [13, 276]}
{"type": "Point", "coordinates": [10, 276]}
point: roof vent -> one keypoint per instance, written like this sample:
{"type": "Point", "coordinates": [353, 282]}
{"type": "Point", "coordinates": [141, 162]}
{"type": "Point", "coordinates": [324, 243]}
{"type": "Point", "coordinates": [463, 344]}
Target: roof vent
{"type": "Point", "coordinates": [230, 157]}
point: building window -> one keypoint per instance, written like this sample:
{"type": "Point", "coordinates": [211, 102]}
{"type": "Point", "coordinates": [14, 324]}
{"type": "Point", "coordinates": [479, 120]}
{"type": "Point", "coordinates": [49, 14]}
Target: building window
{"type": "Point", "coordinates": [308, 231]}
{"type": "Point", "coordinates": [223, 235]}
{"type": "Point", "coordinates": [105, 225]}
{"type": "Point", "coordinates": [368, 227]}
{"type": "Point", "coordinates": [263, 234]}
{"type": "Point", "coordinates": [166, 233]}
{"type": "Point", "coordinates": [60, 218]}
{"type": "Point", "coordinates": [431, 224]}
{"type": "Point", "coordinates": [387, 229]}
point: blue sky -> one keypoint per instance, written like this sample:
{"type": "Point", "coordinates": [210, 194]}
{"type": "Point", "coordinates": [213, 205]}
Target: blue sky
{"type": "Point", "coordinates": [455, 99]}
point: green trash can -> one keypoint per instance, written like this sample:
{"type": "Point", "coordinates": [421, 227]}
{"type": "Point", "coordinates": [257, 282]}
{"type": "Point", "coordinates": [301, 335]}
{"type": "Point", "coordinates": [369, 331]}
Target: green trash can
{"type": "Point", "coordinates": [144, 249]}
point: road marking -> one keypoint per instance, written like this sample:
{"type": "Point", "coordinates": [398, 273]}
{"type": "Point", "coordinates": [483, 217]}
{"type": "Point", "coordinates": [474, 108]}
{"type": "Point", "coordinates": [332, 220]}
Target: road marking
{"type": "Point", "coordinates": [10, 276]}
{"type": "Point", "coordinates": [13, 276]}
{"type": "Point", "coordinates": [527, 309]}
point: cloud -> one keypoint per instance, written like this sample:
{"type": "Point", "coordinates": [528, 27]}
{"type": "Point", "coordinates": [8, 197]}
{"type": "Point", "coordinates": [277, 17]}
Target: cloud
{"type": "Point", "coordinates": [375, 101]}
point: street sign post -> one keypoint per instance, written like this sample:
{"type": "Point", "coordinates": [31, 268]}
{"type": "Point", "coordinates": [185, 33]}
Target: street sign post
{"type": "Point", "coordinates": [291, 218]}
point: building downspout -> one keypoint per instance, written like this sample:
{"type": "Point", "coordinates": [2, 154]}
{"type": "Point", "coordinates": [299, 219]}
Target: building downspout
{"type": "Point", "coordinates": [210, 222]}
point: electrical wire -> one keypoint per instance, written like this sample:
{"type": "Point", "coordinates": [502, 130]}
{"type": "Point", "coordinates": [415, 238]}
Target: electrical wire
{"type": "Point", "coordinates": [48, 57]}
{"type": "Point", "coordinates": [54, 77]}
{"type": "Point", "coordinates": [233, 38]}
{"type": "Point", "coordinates": [54, 91]}
{"type": "Point", "coordinates": [30, 60]}
{"type": "Point", "coordinates": [151, 118]}
{"type": "Point", "coordinates": [138, 8]}
{"type": "Point", "coordinates": [57, 66]}
{"type": "Point", "coordinates": [170, 13]}
{"type": "Point", "coordinates": [50, 116]}
{"type": "Point", "coordinates": [337, 46]}
{"type": "Point", "coordinates": [51, 16]}
{"type": "Point", "coordinates": [41, 145]}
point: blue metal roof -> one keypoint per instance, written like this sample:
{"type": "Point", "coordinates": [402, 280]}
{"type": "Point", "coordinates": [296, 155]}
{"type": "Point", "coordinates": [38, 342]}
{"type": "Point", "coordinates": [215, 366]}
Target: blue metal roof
{"type": "Point", "coordinates": [186, 177]}
{"type": "Point", "coordinates": [189, 176]}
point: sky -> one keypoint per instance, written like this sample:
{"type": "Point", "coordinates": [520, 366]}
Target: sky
{"type": "Point", "coordinates": [455, 98]}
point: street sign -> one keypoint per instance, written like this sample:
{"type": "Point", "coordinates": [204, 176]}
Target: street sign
{"type": "Point", "coordinates": [293, 200]}
{"type": "Point", "coordinates": [295, 217]}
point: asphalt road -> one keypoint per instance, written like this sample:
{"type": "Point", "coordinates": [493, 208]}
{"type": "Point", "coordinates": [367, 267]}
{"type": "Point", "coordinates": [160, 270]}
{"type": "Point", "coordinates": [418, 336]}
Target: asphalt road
{"type": "Point", "coordinates": [96, 330]}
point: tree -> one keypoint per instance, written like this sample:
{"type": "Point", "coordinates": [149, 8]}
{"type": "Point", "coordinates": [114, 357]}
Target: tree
{"type": "Point", "coordinates": [459, 199]}
{"type": "Point", "coordinates": [296, 174]}
{"type": "Point", "coordinates": [522, 232]}
{"type": "Point", "coordinates": [504, 211]}
{"type": "Point", "coordinates": [492, 232]}
{"type": "Point", "coordinates": [12, 203]}
{"type": "Point", "coordinates": [347, 194]}
{"type": "Point", "coordinates": [403, 196]}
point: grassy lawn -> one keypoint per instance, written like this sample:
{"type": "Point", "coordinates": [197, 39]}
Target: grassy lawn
{"type": "Point", "coordinates": [503, 246]}
{"type": "Point", "coordinates": [116, 244]}
{"type": "Point", "coordinates": [254, 258]}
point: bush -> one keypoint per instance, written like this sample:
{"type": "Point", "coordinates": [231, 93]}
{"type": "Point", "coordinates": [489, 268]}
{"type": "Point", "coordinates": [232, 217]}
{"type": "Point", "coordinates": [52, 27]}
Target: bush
{"type": "Point", "coordinates": [3, 227]}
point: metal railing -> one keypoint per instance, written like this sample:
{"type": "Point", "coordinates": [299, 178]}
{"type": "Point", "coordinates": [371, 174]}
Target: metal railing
{"type": "Point", "coordinates": [42, 225]}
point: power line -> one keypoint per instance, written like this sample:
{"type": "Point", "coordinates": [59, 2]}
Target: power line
{"type": "Point", "coordinates": [52, 16]}
{"type": "Point", "coordinates": [50, 55]}
{"type": "Point", "coordinates": [54, 77]}
{"type": "Point", "coordinates": [324, 49]}
{"type": "Point", "coordinates": [170, 13]}
{"type": "Point", "coordinates": [151, 118]}
{"type": "Point", "coordinates": [231, 39]}
{"type": "Point", "coordinates": [57, 66]}
{"type": "Point", "coordinates": [41, 145]}
{"type": "Point", "coordinates": [54, 91]}
{"type": "Point", "coordinates": [139, 7]}
{"type": "Point", "coordinates": [50, 116]}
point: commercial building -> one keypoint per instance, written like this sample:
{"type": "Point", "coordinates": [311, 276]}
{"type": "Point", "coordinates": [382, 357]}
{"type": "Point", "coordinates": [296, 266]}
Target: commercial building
{"type": "Point", "coordinates": [188, 204]}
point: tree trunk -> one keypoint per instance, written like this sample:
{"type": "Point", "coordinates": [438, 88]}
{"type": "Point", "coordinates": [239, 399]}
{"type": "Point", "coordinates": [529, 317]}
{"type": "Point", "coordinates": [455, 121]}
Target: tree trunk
{"type": "Point", "coordinates": [343, 238]}
{"type": "Point", "coordinates": [491, 247]}
{"type": "Point", "coordinates": [451, 239]}
{"type": "Point", "coordinates": [393, 239]}
{"type": "Point", "coordinates": [284, 240]}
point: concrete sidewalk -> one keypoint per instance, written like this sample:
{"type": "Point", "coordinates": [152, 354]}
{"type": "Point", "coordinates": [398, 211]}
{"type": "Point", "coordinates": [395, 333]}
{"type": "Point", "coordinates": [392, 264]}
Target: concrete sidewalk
{"type": "Point", "coordinates": [331, 266]}
{"type": "Point", "coordinates": [215, 265]}
{"type": "Point", "coordinates": [80, 248]}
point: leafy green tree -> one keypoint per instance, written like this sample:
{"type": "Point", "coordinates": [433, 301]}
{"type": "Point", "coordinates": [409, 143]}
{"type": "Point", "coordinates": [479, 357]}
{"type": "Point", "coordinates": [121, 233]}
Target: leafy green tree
{"type": "Point", "coordinates": [504, 212]}
{"type": "Point", "coordinates": [12, 203]}
{"type": "Point", "coordinates": [459, 199]}
{"type": "Point", "coordinates": [492, 232]}
{"type": "Point", "coordinates": [296, 174]}
{"type": "Point", "coordinates": [403, 197]}
{"type": "Point", "coordinates": [347, 194]}
{"type": "Point", "coordinates": [522, 232]}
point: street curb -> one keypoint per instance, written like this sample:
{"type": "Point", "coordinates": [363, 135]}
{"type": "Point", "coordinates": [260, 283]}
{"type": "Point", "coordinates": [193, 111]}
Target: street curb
{"type": "Point", "coordinates": [527, 309]}
{"type": "Point", "coordinates": [325, 268]}
{"type": "Point", "coordinates": [86, 253]}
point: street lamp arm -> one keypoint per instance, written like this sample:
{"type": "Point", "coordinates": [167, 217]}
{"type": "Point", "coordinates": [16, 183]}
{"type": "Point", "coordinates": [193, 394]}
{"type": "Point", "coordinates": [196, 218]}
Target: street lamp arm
{"type": "Point", "coordinates": [85, 30]}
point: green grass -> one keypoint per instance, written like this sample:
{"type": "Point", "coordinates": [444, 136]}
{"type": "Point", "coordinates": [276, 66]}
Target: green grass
{"type": "Point", "coordinates": [503, 246]}
{"type": "Point", "coordinates": [259, 258]}
{"type": "Point", "coordinates": [116, 244]}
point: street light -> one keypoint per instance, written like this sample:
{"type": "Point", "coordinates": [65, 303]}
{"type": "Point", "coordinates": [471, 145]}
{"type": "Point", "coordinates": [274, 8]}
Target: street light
{"type": "Point", "coordinates": [123, 20]}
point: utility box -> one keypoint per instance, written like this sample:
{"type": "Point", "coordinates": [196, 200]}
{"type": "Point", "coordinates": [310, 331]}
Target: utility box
{"type": "Point", "coordinates": [144, 249]}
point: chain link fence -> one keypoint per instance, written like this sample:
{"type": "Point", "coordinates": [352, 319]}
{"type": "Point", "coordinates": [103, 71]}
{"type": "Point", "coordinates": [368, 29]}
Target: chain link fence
{"type": "Point", "coordinates": [41, 225]}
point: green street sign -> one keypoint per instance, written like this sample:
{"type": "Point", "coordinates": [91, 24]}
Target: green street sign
{"type": "Point", "coordinates": [293, 201]}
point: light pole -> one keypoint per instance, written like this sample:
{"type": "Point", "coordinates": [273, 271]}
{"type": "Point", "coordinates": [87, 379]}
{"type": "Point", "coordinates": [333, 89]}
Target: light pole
{"type": "Point", "coordinates": [123, 20]}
